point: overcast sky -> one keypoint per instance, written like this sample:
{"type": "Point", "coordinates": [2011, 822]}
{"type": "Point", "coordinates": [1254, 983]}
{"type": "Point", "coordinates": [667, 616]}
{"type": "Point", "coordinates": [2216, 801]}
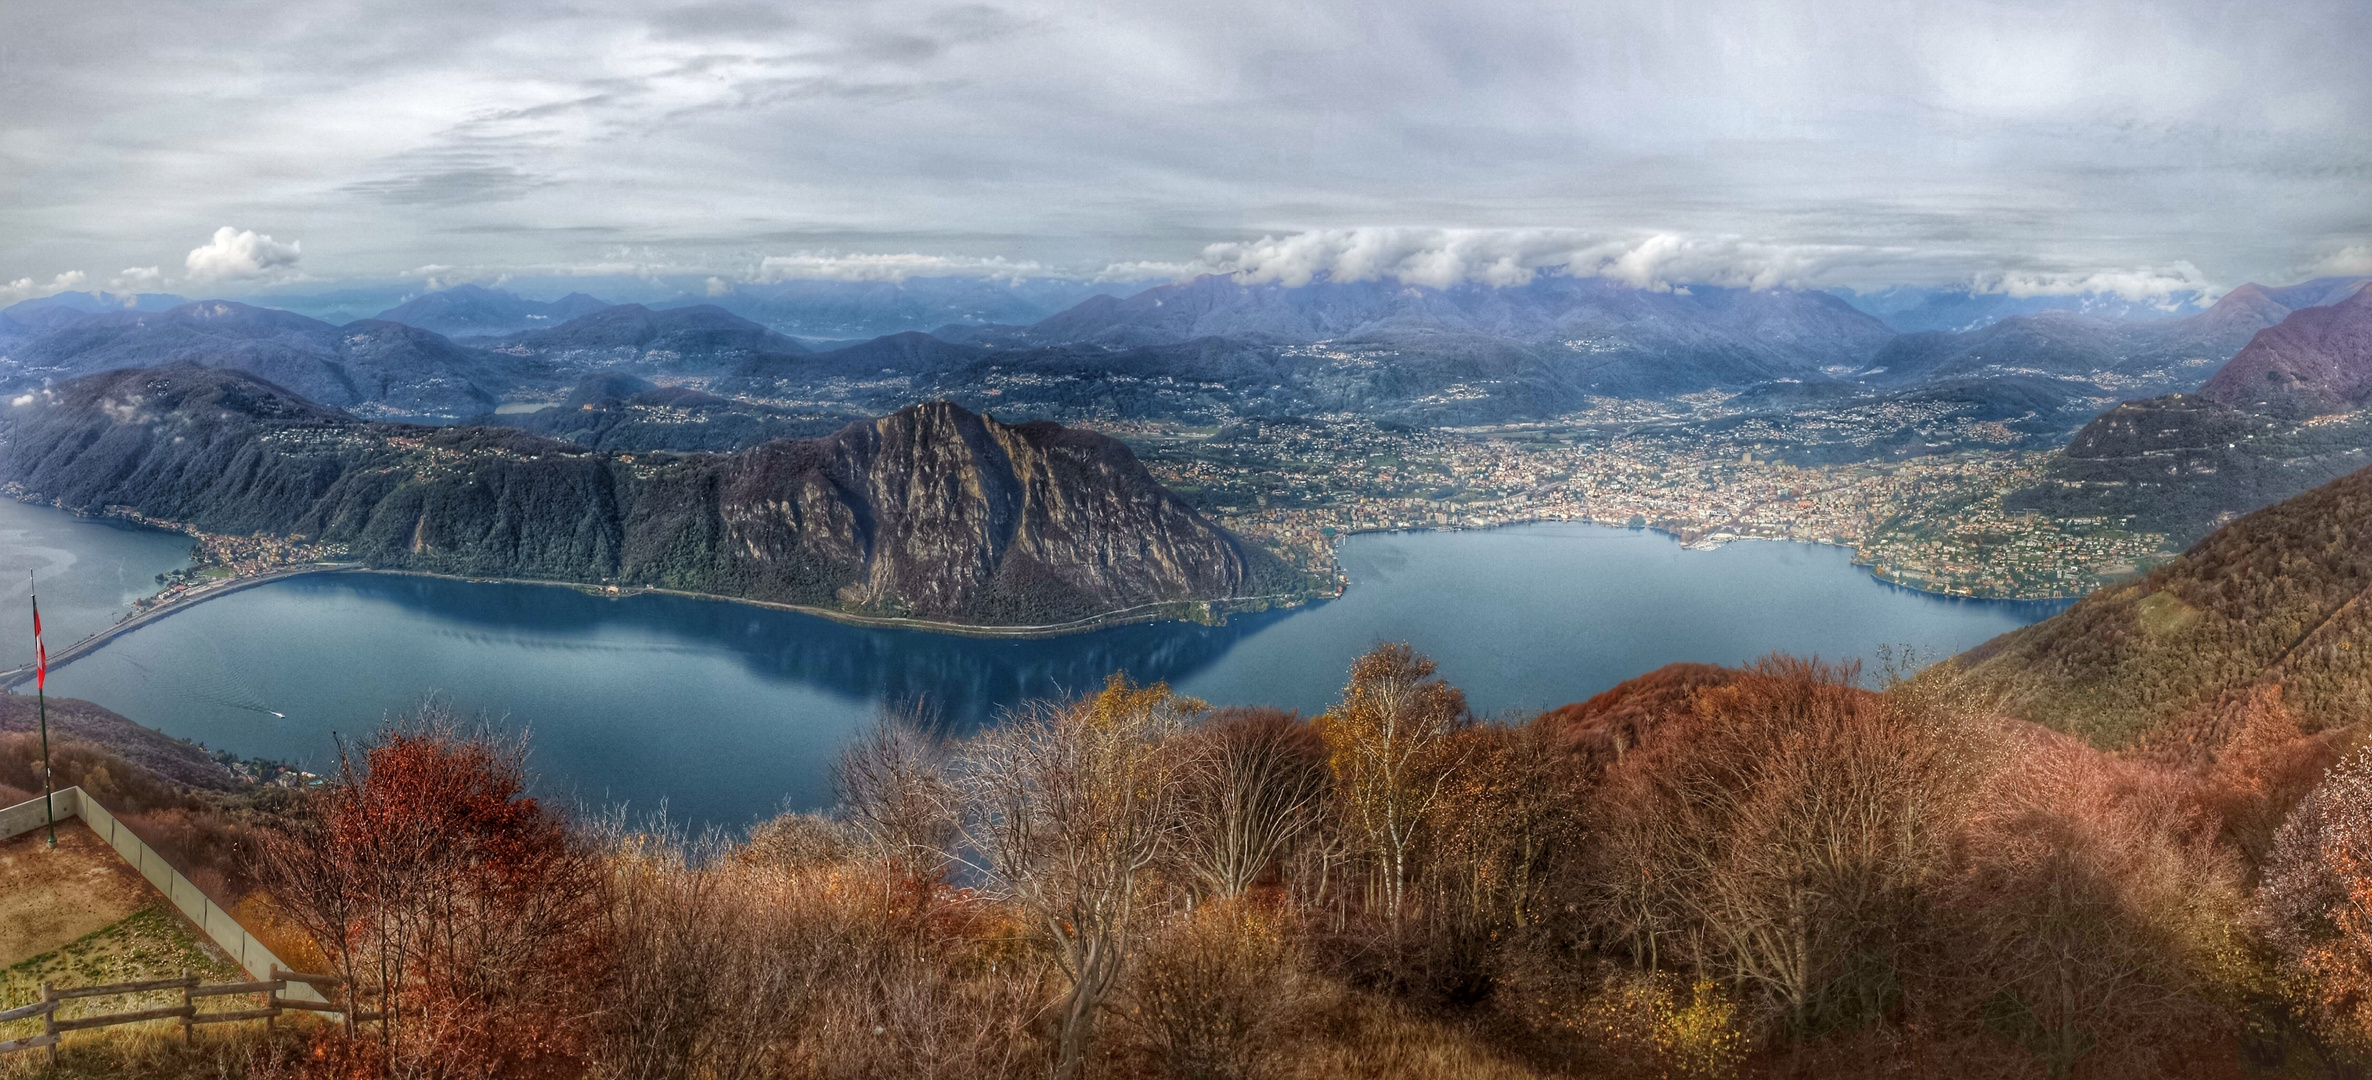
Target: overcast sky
{"type": "Point", "coordinates": [248, 144]}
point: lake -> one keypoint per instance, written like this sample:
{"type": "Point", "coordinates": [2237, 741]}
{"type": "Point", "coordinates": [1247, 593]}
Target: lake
{"type": "Point", "coordinates": [726, 712]}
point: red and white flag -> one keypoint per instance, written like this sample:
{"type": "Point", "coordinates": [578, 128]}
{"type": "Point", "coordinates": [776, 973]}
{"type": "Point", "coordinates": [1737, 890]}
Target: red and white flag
{"type": "Point", "coordinates": [40, 651]}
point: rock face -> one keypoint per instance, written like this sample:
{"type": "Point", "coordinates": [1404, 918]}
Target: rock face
{"type": "Point", "coordinates": [931, 512]}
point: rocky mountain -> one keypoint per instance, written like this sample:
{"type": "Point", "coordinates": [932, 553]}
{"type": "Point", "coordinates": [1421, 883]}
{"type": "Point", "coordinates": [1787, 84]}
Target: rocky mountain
{"type": "Point", "coordinates": [379, 368]}
{"type": "Point", "coordinates": [2277, 602]}
{"type": "Point", "coordinates": [931, 512]}
{"type": "Point", "coordinates": [2316, 361]}
{"type": "Point", "coordinates": [477, 311]}
{"type": "Point", "coordinates": [2286, 414]}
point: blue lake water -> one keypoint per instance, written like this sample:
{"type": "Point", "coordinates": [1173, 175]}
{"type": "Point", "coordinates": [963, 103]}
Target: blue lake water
{"type": "Point", "coordinates": [727, 711]}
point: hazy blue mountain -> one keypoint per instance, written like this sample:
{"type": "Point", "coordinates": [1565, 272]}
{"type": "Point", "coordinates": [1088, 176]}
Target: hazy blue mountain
{"type": "Point", "coordinates": [477, 311]}
{"type": "Point", "coordinates": [337, 307]}
{"type": "Point", "coordinates": [1912, 309]}
{"type": "Point", "coordinates": [867, 309]}
{"type": "Point", "coordinates": [700, 340]}
{"type": "Point", "coordinates": [30, 317]}
{"type": "Point", "coordinates": [2123, 359]}
{"type": "Point", "coordinates": [373, 368]}
{"type": "Point", "coordinates": [1587, 314]}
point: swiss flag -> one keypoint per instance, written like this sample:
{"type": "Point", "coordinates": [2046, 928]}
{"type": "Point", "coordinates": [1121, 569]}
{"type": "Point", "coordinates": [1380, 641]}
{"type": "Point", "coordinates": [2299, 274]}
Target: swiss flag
{"type": "Point", "coordinates": [40, 650]}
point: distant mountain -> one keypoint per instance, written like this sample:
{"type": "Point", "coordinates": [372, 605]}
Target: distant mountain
{"type": "Point", "coordinates": [2277, 601]}
{"type": "Point", "coordinates": [1782, 328]}
{"type": "Point", "coordinates": [2317, 360]}
{"type": "Point", "coordinates": [1911, 309]}
{"type": "Point", "coordinates": [701, 340]}
{"type": "Point", "coordinates": [2289, 412]}
{"type": "Point", "coordinates": [377, 368]}
{"type": "Point", "coordinates": [1517, 349]}
{"type": "Point", "coordinates": [42, 314]}
{"type": "Point", "coordinates": [932, 512]}
{"type": "Point", "coordinates": [337, 307]}
{"type": "Point", "coordinates": [477, 311]}
{"type": "Point", "coordinates": [868, 309]}
{"type": "Point", "coordinates": [621, 413]}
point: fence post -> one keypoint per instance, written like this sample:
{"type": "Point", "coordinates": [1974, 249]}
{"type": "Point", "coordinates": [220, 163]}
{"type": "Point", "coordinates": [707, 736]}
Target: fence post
{"type": "Point", "coordinates": [189, 1024]}
{"type": "Point", "coordinates": [49, 1020]}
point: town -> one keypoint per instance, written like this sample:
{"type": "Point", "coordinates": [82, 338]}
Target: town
{"type": "Point", "coordinates": [1933, 521]}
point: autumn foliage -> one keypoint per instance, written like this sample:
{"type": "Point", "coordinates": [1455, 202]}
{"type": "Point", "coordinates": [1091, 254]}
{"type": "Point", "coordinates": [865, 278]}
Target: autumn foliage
{"type": "Point", "coordinates": [1778, 870]}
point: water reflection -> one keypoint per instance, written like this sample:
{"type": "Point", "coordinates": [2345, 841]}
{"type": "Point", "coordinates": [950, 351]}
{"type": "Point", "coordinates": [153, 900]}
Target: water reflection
{"type": "Point", "coordinates": [966, 679]}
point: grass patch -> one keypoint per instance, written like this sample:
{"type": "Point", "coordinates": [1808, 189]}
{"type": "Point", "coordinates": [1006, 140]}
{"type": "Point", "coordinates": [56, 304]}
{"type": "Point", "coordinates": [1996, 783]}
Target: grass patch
{"type": "Point", "coordinates": [151, 943]}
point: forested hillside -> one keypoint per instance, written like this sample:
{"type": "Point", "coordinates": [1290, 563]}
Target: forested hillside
{"type": "Point", "coordinates": [931, 512]}
{"type": "Point", "coordinates": [2275, 602]}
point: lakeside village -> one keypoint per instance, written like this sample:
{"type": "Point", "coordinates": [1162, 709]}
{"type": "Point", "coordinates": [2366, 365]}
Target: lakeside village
{"type": "Point", "coordinates": [1933, 522]}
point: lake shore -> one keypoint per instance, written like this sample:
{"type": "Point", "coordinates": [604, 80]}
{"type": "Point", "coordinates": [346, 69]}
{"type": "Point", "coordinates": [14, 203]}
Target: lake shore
{"type": "Point", "coordinates": [1202, 611]}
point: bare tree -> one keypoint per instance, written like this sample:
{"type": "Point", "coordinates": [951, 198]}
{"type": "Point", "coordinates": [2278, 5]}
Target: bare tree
{"type": "Point", "coordinates": [1067, 808]}
{"type": "Point", "coordinates": [894, 789]}
{"type": "Point", "coordinates": [1255, 781]}
{"type": "Point", "coordinates": [1389, 739]}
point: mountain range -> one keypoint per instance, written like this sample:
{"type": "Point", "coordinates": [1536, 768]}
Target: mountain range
{"type": "Point", "coordinates": [931, 512]}
{"type": "Point", "coordinates": [2291, 410]}
{"type": "Point", "coordinates": [477, 311]}
{"type": "Point", "coordinates": [1206, 350]}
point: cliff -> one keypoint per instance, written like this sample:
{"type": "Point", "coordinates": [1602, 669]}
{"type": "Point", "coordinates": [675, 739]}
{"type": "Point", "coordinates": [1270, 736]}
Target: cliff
{"type": "Point", "coordinates": [931, 512]}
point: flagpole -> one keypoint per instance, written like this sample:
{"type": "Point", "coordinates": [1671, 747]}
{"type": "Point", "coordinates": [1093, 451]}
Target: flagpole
{"type": "Point", "coordinates": [41, 702]}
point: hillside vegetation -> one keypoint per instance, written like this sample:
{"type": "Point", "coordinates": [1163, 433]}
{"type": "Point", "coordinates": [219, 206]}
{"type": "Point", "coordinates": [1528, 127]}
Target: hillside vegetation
{"type": "Point", "coordinates": [2276, 602]}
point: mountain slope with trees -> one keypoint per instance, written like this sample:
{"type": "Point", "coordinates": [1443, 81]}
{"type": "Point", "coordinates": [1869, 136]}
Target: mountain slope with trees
{"type": "Point", "coordinates": [2278, 602]}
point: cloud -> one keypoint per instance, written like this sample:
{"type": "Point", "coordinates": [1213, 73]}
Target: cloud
{"type": "Point", "coordinates": [236, 254]}
{"type": "Point", "coordinates": [2349, 261]}
{"type": "Point", "coordinates": [1444, 258]}
{"type": "Point", "coordinates": [138, 279]}
{"type": "Point", "coordinates": [838, 266]}
{"type": "Point", "coordinates": [2168, 287]}
{"type": "Point", "coordinates": [26, 288]}
{"type": "Point", "coordinates": [451, 187]}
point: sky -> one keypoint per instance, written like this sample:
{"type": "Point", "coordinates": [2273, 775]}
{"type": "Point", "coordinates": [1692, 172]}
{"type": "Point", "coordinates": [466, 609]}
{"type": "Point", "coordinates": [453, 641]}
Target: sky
{"type": "Point", "coordinates": [2144, 149]}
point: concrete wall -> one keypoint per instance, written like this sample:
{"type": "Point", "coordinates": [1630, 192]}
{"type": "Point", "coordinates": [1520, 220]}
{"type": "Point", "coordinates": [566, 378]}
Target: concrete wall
{"type": "Point", "coordinates": [25, 817]}
{"type": "Point", "coordinates": [197, 906]}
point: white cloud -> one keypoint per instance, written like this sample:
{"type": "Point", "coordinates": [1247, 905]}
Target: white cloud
{"type": "Point", "coordinates": [138, 279]}
{"type": "Point", "coordinates": [837, 266]}
{"type": "Point", "coordinates": [1441, 258]}
{"type": "Point", "coordinates": [2168, 287]}
{"type": "Point", "coordinates": [26, 288]}
{"type": "Point", "coordinates": [2348, 261]}
{"type": "Point", "coordinates": [241, 253]}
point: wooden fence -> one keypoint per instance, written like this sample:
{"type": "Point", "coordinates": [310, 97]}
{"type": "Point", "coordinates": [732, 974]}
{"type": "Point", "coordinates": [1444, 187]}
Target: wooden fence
{"type": "Point", "coordinates": [322, 994]}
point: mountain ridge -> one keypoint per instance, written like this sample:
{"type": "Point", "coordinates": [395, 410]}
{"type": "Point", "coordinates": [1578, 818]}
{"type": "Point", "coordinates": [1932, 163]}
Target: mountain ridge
{"type": "Point", "coordinates": [932, 512]}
